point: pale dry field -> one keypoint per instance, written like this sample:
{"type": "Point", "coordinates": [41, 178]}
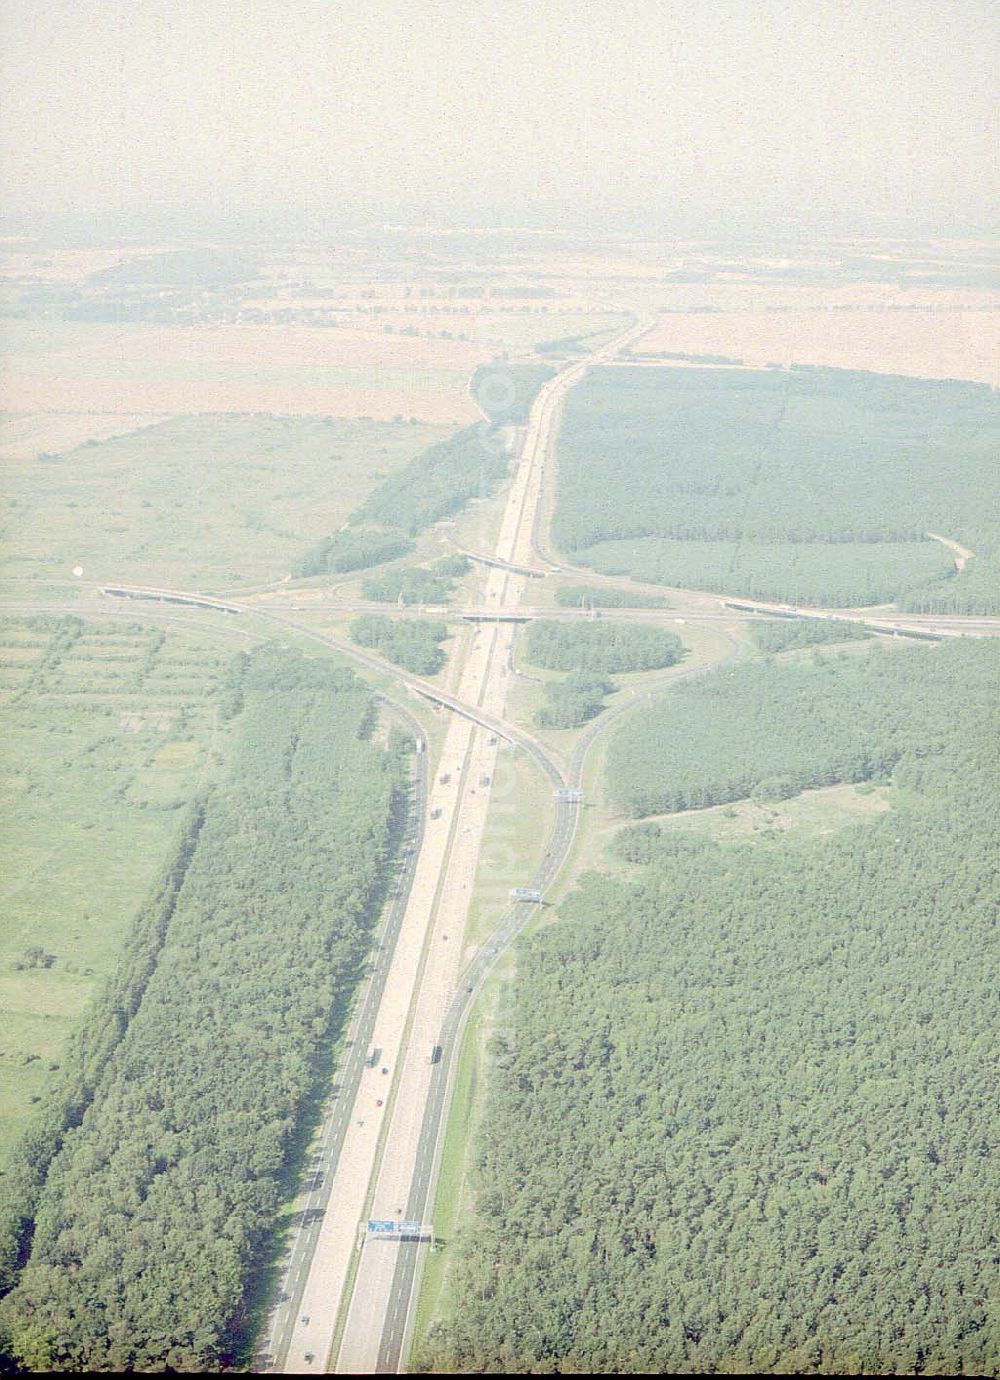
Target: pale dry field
{"type": "Point", "coordinates": [23, 438]}
{"type": "Point", "coordinates": [925, 334]}
{"type": "Point", "coordinates": [284, 370]}
{"type": "Point", "coordinates": [22, 261]}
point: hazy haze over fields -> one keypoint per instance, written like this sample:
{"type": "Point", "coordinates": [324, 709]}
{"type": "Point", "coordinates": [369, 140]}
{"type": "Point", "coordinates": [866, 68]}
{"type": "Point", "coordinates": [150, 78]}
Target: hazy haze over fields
{"type": "Point", "coordinates": [140, 116]}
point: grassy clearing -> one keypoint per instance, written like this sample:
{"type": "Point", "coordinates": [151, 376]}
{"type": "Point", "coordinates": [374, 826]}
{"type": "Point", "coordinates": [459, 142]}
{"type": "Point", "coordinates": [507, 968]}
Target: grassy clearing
{"type": "Point", "coordinates": [453, 1200]}
{"type": "Point", "coordinates": [198, 502]}
{"type": "Point", "coordinates": [811, 815]}
{"type": "Point", "coordinates": [104, 742]}
{"type": "Point", "coordinates": [517, 824]}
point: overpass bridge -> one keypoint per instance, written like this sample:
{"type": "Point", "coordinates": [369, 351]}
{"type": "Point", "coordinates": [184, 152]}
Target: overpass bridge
{"type": "Point", "coordinates": [531, 571]}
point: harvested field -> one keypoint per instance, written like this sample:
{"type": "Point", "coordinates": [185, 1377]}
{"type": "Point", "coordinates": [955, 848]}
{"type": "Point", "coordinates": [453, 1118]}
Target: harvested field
{"type": "Point", "coordinates": [60, 367]}
{"type": "Point", "coordinates": [934, 342]}
{"type": "Point", "coordinates": [24, 438]}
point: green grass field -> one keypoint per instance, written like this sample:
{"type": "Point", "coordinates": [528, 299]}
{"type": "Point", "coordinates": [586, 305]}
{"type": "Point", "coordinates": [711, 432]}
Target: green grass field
{"type": "Point", "coordinates": [107, 734]}
{"type": "Point", "coordinates": [207, 502]}
{"type": "Point", "coordinates": [810, 815]}
{"type": "Point", "coordinates": [520, 813]}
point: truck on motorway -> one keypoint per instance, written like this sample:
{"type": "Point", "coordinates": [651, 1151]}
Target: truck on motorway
{"type": "Point", "coordinates": [435, 1055]}
{"type": "Point", "coordinates": [373, 1057]}
{"type": "Point", "coordinates": [525, 893]}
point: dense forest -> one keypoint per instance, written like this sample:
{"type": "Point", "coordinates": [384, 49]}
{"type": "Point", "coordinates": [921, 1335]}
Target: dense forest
{"type": "Point", "coordinates": [740, 1116]}
{"type": "Point", "coordinates": [808, 723]}
{"type": "Point", "coordinates": [611, 647]}
{"type": "Point", "coordinates": [778, 483]}
{"type": "Point", "coordinates": [352, 549]}
{"type": "Point", "coordinates": [785, 634]}
{"type": "Point", "coordinates": [154, 1181]}
{"type": "Point", "coordinates": [416, 584]}
{"type": "Point", "coordinates": [975, 589]}
{"type": "Point", "coordinates": [832, 574]}
{"type": "Point", "coordinates": [438, 482]}
{"type": "Point", "coordinates": [606, 597]}
{"type": "Point", "coordinates": [413, 643]}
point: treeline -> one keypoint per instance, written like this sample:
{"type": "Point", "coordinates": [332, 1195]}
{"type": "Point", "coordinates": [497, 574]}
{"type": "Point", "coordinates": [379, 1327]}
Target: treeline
{"type": "Point", "coordinates": [605, 597]}
{"type": "Point", "coordinates": [610, 647]}
{"type": "Point", "coordinates": [573, 700]}
{"type": "Point", "coordinates": [413, 643]}
{"type": "Point", "coordinates": [472, 463]}
{"type": "Point", "coordinates": [744, 458]}
{"type": "Point", "coordinates": [352, 549]}
{"type": "Point", "coordinates": [431, 584]}
{"type": "Point", "coordinates": [505, 390]}
{"type": "Point", "coordinates": [792, 726]}
{"type": "Point", "coordinates": [87, 1054]}
{"type": "Point", "coordinates": [740, 1116]}
{"type": "Point", "coordinates": [438, 482]}
{"type": "Point", "coordinates": [785, 634]}
{"type": "Point", "coordinates": [193, 1070]}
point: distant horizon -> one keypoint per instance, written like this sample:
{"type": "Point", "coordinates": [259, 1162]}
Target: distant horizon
{"type": "Point", "coordinates": [651, 118]}
{"type": "Point", "coordinates": [272, 226]}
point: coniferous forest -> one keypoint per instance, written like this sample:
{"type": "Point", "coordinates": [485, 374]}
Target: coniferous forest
{"type": "Point", "coordinates": [821, 486]}
{"type": "Point", "coordinates": [144, 1207]}
{"type": "Point", "coordinates": [829, 719]}
{"type": "Point", "coordinates": [741, 1110]}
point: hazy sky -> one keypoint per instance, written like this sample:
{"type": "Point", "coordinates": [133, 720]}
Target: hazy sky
{"type": "Point", "coordinates": [695, 117]}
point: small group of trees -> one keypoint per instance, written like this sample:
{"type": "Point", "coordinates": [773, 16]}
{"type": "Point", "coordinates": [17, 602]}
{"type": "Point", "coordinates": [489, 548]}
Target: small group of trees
{"type": "Point", "coordinates": [784, 634]}
{"type": "Point", "coordinates": [352, 549]}
{"type": "Point", "coordinates": [413, 643]}
{"type": "Point", "coordinates": [431, 584]}
{"type": "Point", "coordinates": [606, 597]}
{"type": "Point", "coordinates": [605, 647]}
{"type": "Point", "coordinates": [574, 699]}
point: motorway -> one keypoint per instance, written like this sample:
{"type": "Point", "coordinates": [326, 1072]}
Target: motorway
{"type": "Point", "coordinates": [420, 991]}
{"type": "Point", "coordinates": [327, 1144]}
{"type": "Point", "coordinates": [379, 1317]}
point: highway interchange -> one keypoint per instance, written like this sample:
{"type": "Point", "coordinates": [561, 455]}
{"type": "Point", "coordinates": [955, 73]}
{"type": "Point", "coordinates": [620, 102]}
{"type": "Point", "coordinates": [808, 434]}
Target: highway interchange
{"type": "Point", "coordinates": [520, 552]}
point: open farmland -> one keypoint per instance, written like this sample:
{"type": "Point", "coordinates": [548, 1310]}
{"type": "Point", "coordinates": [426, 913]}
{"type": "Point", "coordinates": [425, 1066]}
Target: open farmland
{"type": "Point", "coordinates": [198, 501]}
{"type": "Point", "coordinates": [289, 370]}
{"type": "Point", "coordinates": [109, 729]}
{"type": "Point", "coordinates": [487, 324]}
{"type": "Point", "coordinates": [818, 485]}
{"type": "Point", "coordinates": [889, 331]}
